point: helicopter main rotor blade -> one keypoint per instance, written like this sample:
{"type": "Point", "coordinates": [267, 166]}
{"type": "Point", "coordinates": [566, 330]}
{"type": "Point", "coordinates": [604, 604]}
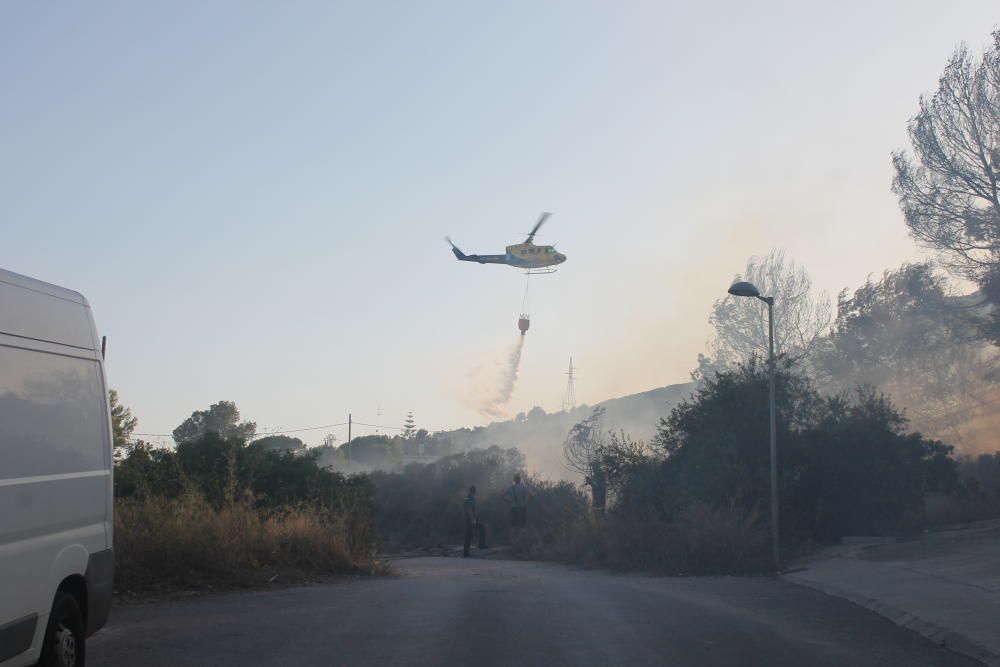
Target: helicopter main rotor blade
{"type": "Point", "coordinates": [541, 221]}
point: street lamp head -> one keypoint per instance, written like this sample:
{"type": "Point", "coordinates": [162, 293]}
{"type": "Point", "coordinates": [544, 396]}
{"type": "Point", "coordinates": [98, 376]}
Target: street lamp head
{"type": "Point", "coordinates": [743, 288]}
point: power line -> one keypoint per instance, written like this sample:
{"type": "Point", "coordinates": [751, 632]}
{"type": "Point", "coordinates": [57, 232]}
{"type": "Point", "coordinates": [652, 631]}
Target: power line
{"type": "Point", "coordinates": [398, 428]}
{"type": "Point", "coordinates": [289, 430]}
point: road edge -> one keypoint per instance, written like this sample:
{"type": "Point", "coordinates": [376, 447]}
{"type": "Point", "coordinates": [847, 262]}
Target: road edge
{"type": "Point", "coordinates": [953, 641]}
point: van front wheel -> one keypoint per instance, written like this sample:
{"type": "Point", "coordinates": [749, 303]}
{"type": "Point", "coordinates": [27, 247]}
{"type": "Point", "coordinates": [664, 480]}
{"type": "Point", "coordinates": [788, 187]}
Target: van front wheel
{"type": "Point", "coordinates": [64, 636]}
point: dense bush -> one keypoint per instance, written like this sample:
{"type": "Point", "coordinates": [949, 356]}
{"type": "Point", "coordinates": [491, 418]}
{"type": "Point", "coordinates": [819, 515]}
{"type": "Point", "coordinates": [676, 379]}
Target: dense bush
{"type": "Point", "coordinates": [186, 512]}
{"type": "Point", "coordinates": [714, 447]}
{"type": "Point", "coordinates": [144, 470]}
{"type": "Point", "coordinates": [855, 471]}
{"type": "Point", "coordinates": [222, 469]}
{"type": "Point", "coordinates": [982, 472]}
{"type": "Point", "coordinates": [846, 464]}
{"type": "Point", "coordinates": [977, 498]}
{"type": "Point", "coordinates": [375, 451]}
{"type": "Point", "coordinates": [696, 500]}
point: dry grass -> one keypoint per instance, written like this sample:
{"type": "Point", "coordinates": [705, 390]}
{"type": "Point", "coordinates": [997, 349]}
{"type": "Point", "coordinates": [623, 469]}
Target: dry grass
{"type": "Point", "coordinates": [944, 510]}
{"type": "Point", "coordinates": [186, 542]}
{"type": "Point", "coordinates": [705, 541]}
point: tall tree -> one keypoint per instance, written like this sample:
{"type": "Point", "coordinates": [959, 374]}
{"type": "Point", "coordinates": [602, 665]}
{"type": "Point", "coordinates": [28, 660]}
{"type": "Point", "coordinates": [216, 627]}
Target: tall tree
{"type": "Point", "coordinates": [409, 426]}
{"type": "Point", "coordinates": [583, 450]}
{"type": "Point", "coordinates": [949, 190]}
{"type": "Point", "coordinates": [123, 423]}
{"type": "Point", "coordinates": [583, 443]}
{"type": "Point", "coordinates": [740, 324]}
{"type": "Point", "coordinates": [908, 336]}
{"type": "Point", "coordinates": [222, 418]}
{"type": "Point", "coordinates": [377, 451]}
{"type": "Point", "coordinates": [279, 443]}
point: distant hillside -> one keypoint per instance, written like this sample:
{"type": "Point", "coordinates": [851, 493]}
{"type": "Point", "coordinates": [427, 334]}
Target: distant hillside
{"type": "Point", "coordinates": [540, 435]}
{"type": "Point", "coordinates": [639, 414]}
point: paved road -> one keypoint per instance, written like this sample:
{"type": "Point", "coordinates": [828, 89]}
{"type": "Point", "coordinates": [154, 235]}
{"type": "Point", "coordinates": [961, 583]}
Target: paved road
{"type": "Point", "coordinates": [450, 611]}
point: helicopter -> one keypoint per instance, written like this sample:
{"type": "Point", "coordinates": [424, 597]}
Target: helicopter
{"type": "Point", "coordinates": [526, 255]}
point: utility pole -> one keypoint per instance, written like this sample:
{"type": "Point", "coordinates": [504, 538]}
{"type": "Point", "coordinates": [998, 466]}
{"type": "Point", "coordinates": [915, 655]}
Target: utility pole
{"type": "Point", "coordinates": [775, 541]}
{"type": "Point", "coordinates": [349, 423]}
{"type": "Point", "coordinates": [378, 416]}
{"type": "Point", "coordinates": [569, 400]}
{"type": "Point", "coordinates": [749, 290]}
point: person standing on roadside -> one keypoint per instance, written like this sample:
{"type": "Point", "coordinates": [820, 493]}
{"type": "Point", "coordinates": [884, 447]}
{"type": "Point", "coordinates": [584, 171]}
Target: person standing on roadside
{"type": "Point", "coordinates": [517, 497]}
{"type": "Point", "coordinates": [472, 525]}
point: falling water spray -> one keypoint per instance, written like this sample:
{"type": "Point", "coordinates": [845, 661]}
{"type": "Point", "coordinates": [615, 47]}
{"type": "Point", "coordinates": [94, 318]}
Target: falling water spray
{"type": "Point", "coordinates": [493, 405]}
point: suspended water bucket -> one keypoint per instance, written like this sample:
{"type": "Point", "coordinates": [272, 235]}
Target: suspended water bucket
{"type": "Point", "coordinates": [523, 323]}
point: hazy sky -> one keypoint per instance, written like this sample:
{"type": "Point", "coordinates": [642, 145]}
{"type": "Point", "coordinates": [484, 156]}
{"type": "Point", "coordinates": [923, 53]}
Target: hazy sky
{"type": "Point", "coordinates": [253, 195]}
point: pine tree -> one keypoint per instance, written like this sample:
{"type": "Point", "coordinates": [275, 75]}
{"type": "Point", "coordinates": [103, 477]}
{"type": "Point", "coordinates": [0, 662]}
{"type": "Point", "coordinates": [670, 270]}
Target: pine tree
{"type": "Point", "coordinates": [123, 423]}
{"type": "Point", "coordinates": [409, 428]}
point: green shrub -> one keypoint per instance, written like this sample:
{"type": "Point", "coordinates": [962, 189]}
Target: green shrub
{"type": "Point", "coordinates": [221, 469]}
{"type": "Point", "coordinates": [846, 463]}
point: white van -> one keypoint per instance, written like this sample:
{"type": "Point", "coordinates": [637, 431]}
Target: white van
{"type": "Point", "coordinates": [56, 562]}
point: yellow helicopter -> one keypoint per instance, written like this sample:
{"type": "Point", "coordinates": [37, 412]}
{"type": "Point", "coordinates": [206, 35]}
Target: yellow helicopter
{"type": "Point", "coordinates": [527, 255]}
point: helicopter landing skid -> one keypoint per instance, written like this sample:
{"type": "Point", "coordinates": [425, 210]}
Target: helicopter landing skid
{"type": "Point", "coordinates": [539, 272]}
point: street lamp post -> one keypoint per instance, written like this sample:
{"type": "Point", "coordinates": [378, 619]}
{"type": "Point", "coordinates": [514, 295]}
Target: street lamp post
{"type": "Point", "coordinates": [748, 289]}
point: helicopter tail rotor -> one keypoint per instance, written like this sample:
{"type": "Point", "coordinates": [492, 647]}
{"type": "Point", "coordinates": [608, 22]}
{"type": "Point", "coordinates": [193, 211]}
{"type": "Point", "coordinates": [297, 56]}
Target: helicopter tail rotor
{"type": "Point", "coordinates": [454, 248]}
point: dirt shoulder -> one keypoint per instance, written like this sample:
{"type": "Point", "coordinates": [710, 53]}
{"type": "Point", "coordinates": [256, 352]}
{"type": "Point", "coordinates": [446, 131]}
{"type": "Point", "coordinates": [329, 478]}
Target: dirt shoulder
{"type": "Point", "coordinates": [944, 585]}
{"type": "Point", "coordinates": [203, 585]}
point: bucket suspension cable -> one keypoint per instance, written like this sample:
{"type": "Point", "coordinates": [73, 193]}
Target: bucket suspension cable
{"type": "Point", "coordinates": [524, 301]}
{"type": "Point", "coordinates": [523, 321]}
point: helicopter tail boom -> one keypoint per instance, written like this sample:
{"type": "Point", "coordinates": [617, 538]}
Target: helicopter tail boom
{"type": "Point", "coordinates": [482, 259]}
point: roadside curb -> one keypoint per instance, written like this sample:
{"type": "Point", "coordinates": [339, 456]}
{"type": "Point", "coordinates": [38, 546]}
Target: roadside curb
{"type": "Point", "coordinates": [950, 639]}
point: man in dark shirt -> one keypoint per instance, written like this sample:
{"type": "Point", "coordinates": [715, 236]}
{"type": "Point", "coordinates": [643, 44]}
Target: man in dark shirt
{"type": "Point", "coordinates": [472, 525]}
{"type": "Point", "coordinates": [517, 497]}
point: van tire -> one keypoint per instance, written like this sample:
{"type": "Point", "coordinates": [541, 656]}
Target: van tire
{"type": "Point", "coordinates": [65, 638]}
